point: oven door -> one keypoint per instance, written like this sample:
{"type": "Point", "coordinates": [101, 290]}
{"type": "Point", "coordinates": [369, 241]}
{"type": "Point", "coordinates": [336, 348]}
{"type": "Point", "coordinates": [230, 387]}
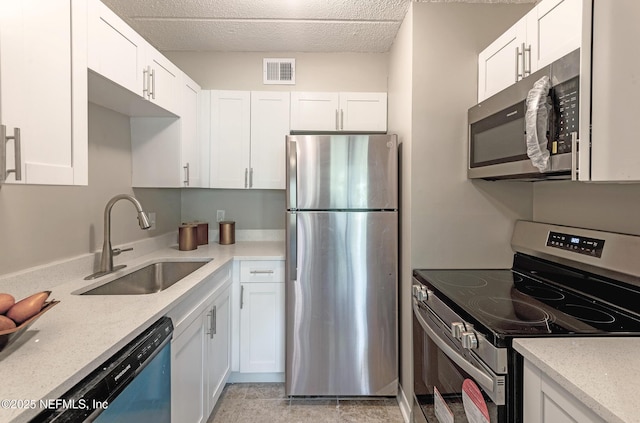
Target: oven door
{"type": "Point", "coordinates": [450, 384]}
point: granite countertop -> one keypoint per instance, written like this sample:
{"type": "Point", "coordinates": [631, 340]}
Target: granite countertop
{"type": "Point", "coordinates": [601, 372]}
{"type": "Point", "coordinates": [79, 333]}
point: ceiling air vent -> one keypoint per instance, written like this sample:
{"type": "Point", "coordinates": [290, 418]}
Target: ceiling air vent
{"type": "Point", "coordinates": [279, 71]}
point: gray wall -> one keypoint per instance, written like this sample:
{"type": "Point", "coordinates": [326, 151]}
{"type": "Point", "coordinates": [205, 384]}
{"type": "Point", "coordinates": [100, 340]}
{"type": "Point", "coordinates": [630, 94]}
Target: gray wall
{"type": "Point", "coordinates": [260, 209]}
{"type": "Point", "coordinates": [608, 207]}
{"type": "Point", "coordinates": [42, 224]}
{"type": "Point", "coordinates": [460, 223]}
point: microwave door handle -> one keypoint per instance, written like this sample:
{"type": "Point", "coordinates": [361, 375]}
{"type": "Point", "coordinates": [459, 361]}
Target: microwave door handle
{"type": "Point", "coordinates": [479, 376]}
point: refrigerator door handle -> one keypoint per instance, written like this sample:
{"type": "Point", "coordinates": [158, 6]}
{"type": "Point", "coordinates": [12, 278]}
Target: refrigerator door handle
{"type": "Point", "coordinates": [293, 174]}
{"type": "Point", "coordinates": [293, 246]}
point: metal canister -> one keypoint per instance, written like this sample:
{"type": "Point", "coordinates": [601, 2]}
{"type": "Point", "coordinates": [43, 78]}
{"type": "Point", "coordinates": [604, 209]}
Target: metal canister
{"type": "Point", "coordinates": [227, 232]}
{"type": "Point", "coordinates": [187, 237]}
{"type": "Point", "coordinates": [203, 233]}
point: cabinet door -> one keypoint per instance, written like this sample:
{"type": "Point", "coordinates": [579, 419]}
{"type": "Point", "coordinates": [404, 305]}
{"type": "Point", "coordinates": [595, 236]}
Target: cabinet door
{"type": "Point", "coordinates": [42, 76]}
{"type": "Point", "coordinates": [500, 65]}
{"type": "Point", "coordinates": [163, 83]}
{"type": "Point", "coordinates": [230, 138]}
{"type": "Point", "coordinates": [363, 112]}
{"type": "Point", "coordinates": [270, 113]}
{"type": "Point", "coordinates": [314, 111]}
{"type": "Point", "coordinates": [262, 328]}
{"type": "Point", "coordinates": [554, 29]}
{"type": "Point", "coordinates": [219, 348]}
{"type": "Point", "coordinates": [187, 373]}
{"type": "Point", "coordinates": [116, 51]}
{"type": "Point", "coordinates": [191, 141]}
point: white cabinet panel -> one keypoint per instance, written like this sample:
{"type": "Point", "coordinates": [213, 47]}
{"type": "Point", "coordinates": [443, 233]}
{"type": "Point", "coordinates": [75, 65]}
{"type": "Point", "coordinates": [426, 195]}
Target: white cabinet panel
{"type": "Point", "coordinates": [191, 139]}
{"type": "Point", "coordinates": [363, 111]}
{"type": "Point", "coordinates": [262, 328]}
{"type": "Point", "coordinates": [547, 402]}
{"type": "Point", "coordinates": [270, 112]}
{"type": "Point", "coordinates": [262, 271]}
{"type": "Point", "coordinates": [164, 81]}
{"type": "Point", "coordinates": [116, 51]}
{"type": "Point", "coordinates": [345, 111]}
{"type": "Point", "coordinates": [500, 64]}
{"type": "Point", "coordinates": [230, 138]}
{"type": "Point", "coordinates": [43, 89]}
{"type": "Point", "coordinates": [248, 132]}
{"type": "Point", "coordinates": [187, 375]}
{"type": "Point", "coordinates": [219, 348]}
{"type": "Point", "coordinates": [553, 30]}
{"type": "Point", "coordinates": [314, 111]}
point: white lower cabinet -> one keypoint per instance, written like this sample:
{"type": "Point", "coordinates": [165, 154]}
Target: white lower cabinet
{"type": "Point", "coordinates": [262, 313]}
{"type": "Point", "coordinates": [547, 402]}
{"type": "Point", "coordinates": [201, 349]}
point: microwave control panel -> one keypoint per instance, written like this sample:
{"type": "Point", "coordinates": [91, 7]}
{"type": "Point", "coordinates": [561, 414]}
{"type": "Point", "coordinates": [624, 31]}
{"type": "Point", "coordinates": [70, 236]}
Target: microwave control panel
{"type": "Point", "coordinates": [577, 244]}
{"type": "Point", "coordinates": [565, 97]}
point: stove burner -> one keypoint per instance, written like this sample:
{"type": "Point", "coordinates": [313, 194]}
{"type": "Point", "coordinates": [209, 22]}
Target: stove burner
{"type": "Point", "coordinates": [586, 313]}
{"type": "Point", "coordinates": [463, 280]}
{"type": "Point", "coordinates": [510, 310]}
{"type": "Point", "coordinates": [541, 292]}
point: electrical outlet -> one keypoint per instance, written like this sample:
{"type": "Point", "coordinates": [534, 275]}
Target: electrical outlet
{"type": "Point", "coordinates": [152, 220]}
{"type": "Point", "coordinates": [219, 215]}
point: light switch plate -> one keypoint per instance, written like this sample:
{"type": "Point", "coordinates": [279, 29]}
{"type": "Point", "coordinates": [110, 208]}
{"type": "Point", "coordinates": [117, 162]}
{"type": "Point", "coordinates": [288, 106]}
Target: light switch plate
{"type": "Point", "coordinates": [219, 215]}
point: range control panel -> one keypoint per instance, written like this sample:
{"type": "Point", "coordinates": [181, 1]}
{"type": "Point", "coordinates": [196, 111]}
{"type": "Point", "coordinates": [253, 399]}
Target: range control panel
{"type": "Point", "coordinates": [577, 244]}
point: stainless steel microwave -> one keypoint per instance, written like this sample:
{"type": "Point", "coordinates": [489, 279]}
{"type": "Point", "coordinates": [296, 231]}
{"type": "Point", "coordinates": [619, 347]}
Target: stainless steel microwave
{"type": "Point", "coordinates": [510, 140]}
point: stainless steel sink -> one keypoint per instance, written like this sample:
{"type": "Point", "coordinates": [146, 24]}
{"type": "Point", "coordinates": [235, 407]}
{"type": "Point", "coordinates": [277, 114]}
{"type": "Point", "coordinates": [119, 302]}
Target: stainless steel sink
{"type": "Point", "coordinates": [152, 278]}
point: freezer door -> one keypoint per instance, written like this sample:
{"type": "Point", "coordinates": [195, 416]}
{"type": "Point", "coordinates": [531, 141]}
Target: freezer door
{"type": "Point", "coordinates": [341, 296]}
{"type": "Point", "coordinates": [337, 172]}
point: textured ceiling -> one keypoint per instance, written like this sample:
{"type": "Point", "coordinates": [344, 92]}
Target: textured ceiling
{"type": "Point", "coordinates": [268, 25]}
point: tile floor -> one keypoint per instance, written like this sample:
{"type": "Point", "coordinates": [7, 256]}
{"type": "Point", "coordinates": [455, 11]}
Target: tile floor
{"type": "Point", "coordinates": [266, 402]}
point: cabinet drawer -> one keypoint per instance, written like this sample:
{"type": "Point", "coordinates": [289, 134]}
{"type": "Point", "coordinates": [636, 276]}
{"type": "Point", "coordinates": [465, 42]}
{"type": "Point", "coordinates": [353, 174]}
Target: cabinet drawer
{"type": "Point", "coordinates": [262, 271]}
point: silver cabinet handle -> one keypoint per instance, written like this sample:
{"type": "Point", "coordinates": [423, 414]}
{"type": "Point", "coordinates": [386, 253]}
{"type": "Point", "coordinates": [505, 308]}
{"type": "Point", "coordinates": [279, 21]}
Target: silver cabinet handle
{"type": "Point", "coordinates": [246, 173]}
{"type": "Point", "coordinates": [526, 71]}
{"type": "Point", "coordinates": [186, 174]}
{"type": "Point", "coordinates": [145, 82]}
{"type": "Point", "coordinates": [341, 119]}
{"type": "Point", "coordinates": [152, 76]}
{"type": "Point", "coordinates": [241, 296]}
{"type": "Point", "coordinates": [337, 120]}
{"type": "Point", "coordinates": [17, 152]}
{"type": "Point", "coordinates": [518, 54]}
{"type": "Point", "coordinates": [262, 272]}
{"type": "Point", "coordinates": [251, 178]}
{"type": "Point", "coordinates": [574, 156]}
{"type": "Point", "coordinates": [214, 320]}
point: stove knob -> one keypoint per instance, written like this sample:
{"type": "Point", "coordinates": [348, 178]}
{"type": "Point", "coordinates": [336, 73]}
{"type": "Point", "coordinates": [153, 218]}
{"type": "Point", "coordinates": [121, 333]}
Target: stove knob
{"type": "Point", "coordinates": [420, 293]}
{"type": "Point", "coordinates": [457, 328]}
{"type": "Point", "coordinates": [469, 340]}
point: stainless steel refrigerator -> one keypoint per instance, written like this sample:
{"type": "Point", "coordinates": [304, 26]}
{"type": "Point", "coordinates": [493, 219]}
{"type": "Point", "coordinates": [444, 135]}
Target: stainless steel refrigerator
{"type": "Point", "coordinates": [341, 265]}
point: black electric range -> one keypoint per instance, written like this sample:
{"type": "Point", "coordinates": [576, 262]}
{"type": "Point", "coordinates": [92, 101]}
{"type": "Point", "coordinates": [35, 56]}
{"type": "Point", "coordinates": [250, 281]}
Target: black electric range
{"type": "Point", "coordinates": [563, 282]}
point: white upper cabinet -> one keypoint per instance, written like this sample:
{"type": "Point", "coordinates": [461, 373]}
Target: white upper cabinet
{"type": "Point", "coordinates": [500, 64]}
{"type": "Point", "coordinates": [43, 90]}
{"type": "Point", "coordinates": [119, 54]}
{"type": "Point", "coordinates": [269, 127]}
{"type": "Point", "coordinates": [171, 152]}
{"type": "Point", "coordinates": [345, 111]}
{"type": "Point", "coordinates": [248, 131]}
{"type": "Point", "coordinates": [230, 139]}
{"type": "Point", "coordinates": [552, 29]}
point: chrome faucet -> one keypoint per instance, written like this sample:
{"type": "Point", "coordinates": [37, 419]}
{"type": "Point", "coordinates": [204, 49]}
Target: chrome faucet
{"type": "Point", "coordinates": [106, 260]}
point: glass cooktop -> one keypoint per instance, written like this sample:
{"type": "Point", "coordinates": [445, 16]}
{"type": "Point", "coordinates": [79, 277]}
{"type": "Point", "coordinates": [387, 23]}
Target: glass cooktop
{"type": "Point", "coordinates": [509, 303]}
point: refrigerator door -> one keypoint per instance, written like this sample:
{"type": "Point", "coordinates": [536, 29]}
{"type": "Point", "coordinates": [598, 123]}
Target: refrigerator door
{"type": "Point", "coordinates": [337, 172]}
{"type": "Point", "coordinates": [341, 296]}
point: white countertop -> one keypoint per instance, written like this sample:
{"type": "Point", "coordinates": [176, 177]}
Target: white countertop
{"type": "Point", "coordinates": [601, 372]}
{"type": "Point", "coordinates": [81, 332]}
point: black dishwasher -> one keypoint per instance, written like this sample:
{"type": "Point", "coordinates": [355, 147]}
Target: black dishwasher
{"type": "Point", "coordinates": [134, 385]}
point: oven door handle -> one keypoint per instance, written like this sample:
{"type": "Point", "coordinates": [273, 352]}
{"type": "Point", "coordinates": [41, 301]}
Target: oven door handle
{"type": "Point", "coordinates": [478, 375]}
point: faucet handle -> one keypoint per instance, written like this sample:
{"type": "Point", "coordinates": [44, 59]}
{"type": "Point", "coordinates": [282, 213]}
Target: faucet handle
{"type": "Point", "coordinates": [118, 251]}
